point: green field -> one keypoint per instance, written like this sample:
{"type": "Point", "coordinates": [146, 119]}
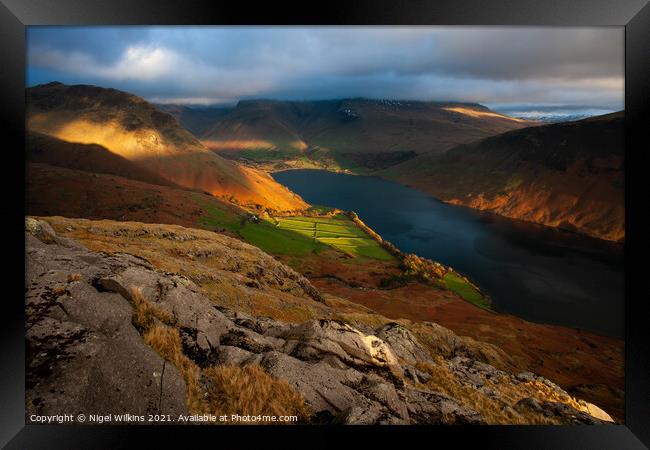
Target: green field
{"type": "Point", "coordinates": [464, 289]}
{"type": "Point", "coordinates": [296, 235]}
{"type": "Point", "coordinates": [272, 239]}
{"type": "Point", "coordinates": [337, 232]}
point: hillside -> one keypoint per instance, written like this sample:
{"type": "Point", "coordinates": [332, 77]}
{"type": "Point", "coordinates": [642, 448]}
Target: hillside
{"type": "Point", "coordinates": [55, 190]}
{"type": "Point", "coordinates": [41, 148]}
{"type": "Point", "coordinates": [591, 367]}
{"type": "Point", "coordinates": [137, 332]}
{"type": "Point", "coordinates": [135, 130]}
{"type": "Point", "coordinates": [568, 175]}
{"type": "Point", "coordinates": [195, 119]}
{"type": "Point", "coordinates": [357, 134]}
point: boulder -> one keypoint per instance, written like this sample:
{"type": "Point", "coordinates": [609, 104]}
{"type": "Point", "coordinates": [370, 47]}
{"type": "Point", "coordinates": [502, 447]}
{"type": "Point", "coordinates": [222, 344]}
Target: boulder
{"type": "Point", "coordinates": [403, 344]}
{"type": "Point", "coordinates": [314, 339]}
{"type": "Point", "coordinates": [336, 392]}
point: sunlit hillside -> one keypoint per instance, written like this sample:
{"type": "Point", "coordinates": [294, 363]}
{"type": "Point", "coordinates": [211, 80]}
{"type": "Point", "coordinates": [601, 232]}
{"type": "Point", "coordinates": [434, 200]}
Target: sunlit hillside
{"type": "Point", "coordinates": [132, 128]}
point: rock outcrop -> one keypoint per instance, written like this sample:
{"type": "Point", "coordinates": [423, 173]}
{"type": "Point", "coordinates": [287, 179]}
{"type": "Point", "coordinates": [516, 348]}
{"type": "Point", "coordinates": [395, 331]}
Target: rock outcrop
{"type": "Point", "coordinates": [83, 354]}
{"type": "Point", "coordinates": [86, 352]}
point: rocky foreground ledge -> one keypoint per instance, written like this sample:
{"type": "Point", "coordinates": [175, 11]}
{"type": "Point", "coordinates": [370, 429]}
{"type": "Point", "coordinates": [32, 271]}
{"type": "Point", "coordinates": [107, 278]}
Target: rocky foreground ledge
{"type": "Point", "coordinates": [111, 334]}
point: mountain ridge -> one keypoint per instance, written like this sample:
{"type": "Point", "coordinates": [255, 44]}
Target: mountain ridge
{"type": "Point", "coordinates": [356, 134]}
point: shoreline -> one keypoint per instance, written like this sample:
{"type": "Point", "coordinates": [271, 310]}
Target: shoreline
{"type": "Point", "coordinates": [590, 245]}
{"type": "Point", "coordinates": [575, 232]}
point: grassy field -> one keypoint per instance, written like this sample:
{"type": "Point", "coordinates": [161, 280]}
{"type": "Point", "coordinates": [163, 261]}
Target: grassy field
{"type": "Point", "coordinates": [296, 235]}
{"type": "Point", "coordinates": [267, 236]}
{"type": "Point", "coordinates": [338, 232]}
{"type": "Point", "coordinates": [464, 289]}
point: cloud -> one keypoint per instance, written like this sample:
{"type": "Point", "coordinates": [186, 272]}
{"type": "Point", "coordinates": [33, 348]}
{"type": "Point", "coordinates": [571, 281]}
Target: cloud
{"type": "Point", "coordinates": [224, 64]}
{"type": "Point", "coordinates": [142, 63]}
{"type": "Point", "coordinates": [136, 63]}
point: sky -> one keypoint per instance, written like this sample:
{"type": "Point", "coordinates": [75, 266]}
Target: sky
{"type": "Point", "coordinates": [506, 68]}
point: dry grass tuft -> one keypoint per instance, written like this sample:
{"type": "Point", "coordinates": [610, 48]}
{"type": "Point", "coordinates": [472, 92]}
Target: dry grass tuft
{"type": "Point", "coordinates": [250, 390]}
{"type": "Point", "coordinates": [226, 390]}
{"type": "Point", "coordinates": [145, 313]}
{"type": "Point", "coordinates": [362, 319]}
{"type": "Point", "coordinates": [215, 390]}
{"type": "Point", "coordinates": [279, 306]}
{"type": "Point", "coordinates": [166, 341]}
{"type": "Point", "coordinates": [543, 392]}
{"type": "Point", "coordinates": [59, 291]}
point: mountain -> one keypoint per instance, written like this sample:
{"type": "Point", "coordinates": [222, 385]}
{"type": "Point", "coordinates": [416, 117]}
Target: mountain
{"type": "Point", "coordinates": [195, 119]}
{"type": "Point", "coordinates": [568, 175]}
{"type": "Point", "coordinates": [130, 127]}
{"type": "Point", "coordinates": [351, 133]}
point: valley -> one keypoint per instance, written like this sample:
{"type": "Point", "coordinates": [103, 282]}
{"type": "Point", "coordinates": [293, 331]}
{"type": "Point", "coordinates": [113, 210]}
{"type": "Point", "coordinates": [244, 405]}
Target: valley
{"type": "Point", "coordinates": [118, 175]}
{"type": "Point", "coordinates": [351, 134]}
{"type": "Point", "coordinates": [534, 272]}
{"type": "Point", "coordinates": [564, 175]}
{"type": "Point", "coordinates": [335, 274]}
{"type": "Point", "coordinates": [325, 225]}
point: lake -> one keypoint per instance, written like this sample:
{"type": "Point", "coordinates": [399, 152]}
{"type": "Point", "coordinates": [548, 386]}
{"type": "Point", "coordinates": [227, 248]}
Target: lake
{"type": "Point", "coordinates": [534, 272]}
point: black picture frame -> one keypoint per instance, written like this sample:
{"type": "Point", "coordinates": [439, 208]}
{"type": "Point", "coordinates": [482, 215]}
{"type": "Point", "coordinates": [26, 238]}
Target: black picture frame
{"type": "Point", "coordinates": [15, 15]}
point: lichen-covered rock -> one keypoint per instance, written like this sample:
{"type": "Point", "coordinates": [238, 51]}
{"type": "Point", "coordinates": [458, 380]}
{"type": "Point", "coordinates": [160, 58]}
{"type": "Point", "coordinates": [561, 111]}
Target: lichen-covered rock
{"type": "Point", "coordinates": [557, 410]}
{"type": "Point", "coordinates": [403, 343]}
{"type": "Point", "coordinates": [83, 354]}
{"type": "Point", "coordinates": [473, 372]}
{"type": "Point", "coordinates": [427, 407]}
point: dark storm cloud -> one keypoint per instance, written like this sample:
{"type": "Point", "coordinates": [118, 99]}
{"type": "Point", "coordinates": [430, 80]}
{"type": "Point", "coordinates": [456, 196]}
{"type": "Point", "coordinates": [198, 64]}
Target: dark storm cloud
{"type": "Point", "coordinates": [492, 65]}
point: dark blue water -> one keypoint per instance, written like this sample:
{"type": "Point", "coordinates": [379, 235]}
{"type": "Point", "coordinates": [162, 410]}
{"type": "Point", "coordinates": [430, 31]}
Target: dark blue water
{"type": "Point", "coordinates": [534, 272]}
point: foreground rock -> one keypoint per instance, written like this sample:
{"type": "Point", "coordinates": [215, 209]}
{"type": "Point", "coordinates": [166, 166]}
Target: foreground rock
{"type": "Point", "coordinates": [86, 352]}
{"type": "Point", "coordinates": [83, 354]}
